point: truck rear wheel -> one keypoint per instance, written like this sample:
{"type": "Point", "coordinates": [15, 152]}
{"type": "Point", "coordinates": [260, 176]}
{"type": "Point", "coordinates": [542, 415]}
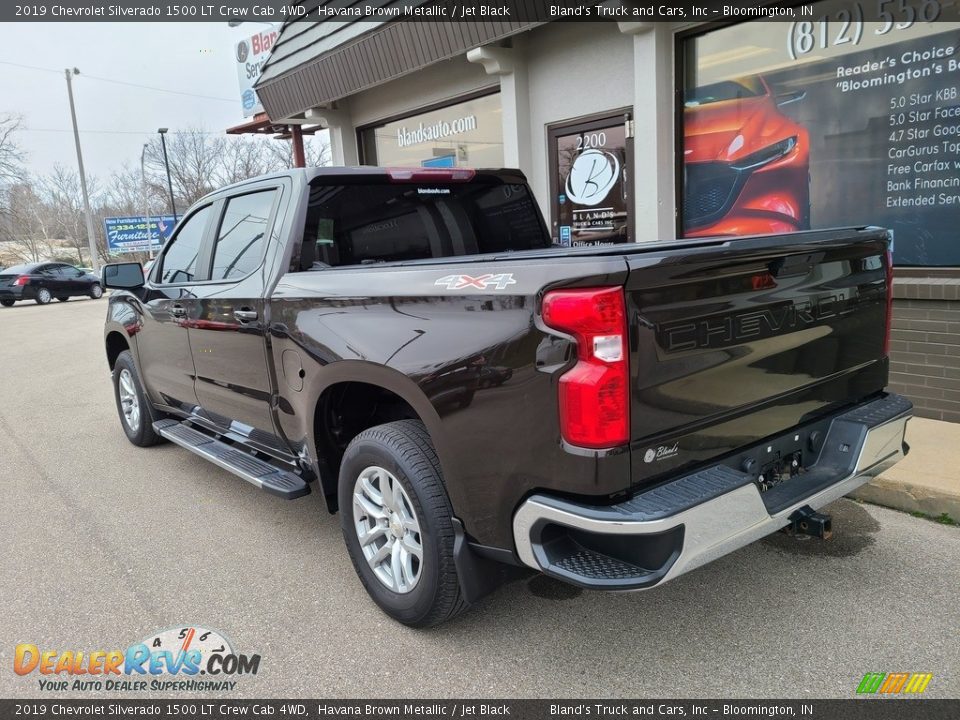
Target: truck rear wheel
{"type": "Point", "coordinates": [398, 523]}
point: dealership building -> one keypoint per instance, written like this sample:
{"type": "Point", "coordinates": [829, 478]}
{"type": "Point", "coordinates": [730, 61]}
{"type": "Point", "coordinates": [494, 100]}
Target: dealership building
{"type": "Point", "coordinates": [638, 131]}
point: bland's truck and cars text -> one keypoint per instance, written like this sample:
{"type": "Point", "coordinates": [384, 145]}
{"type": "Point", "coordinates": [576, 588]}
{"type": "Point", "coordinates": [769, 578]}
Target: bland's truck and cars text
{"type": "Point", "coordinates": [474, 401]}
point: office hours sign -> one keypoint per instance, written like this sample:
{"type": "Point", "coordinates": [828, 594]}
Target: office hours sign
{"type": "Point", "coordinates": [589, 166]}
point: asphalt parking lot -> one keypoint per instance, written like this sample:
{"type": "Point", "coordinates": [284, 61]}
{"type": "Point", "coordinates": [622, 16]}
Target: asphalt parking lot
{"type": "Point", "coordinates": [105, 543]}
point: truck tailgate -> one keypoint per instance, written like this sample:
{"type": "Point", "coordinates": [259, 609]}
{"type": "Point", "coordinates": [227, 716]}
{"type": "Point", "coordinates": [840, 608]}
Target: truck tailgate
{"type": "Point", "coordinates": [742, 340]}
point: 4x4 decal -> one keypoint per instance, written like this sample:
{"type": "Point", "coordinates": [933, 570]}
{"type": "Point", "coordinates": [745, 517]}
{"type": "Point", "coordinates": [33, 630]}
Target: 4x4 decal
{"type": "Point", "coordinates": [481, 282]}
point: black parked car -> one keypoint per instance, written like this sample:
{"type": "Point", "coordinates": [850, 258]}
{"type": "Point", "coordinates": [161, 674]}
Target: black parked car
{"type": "Point", "coordinates": [42, 282]}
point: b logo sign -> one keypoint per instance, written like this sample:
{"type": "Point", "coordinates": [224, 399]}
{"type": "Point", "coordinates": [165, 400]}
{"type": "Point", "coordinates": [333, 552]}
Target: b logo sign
{"type": "Point", "coordinates": [592, 176]}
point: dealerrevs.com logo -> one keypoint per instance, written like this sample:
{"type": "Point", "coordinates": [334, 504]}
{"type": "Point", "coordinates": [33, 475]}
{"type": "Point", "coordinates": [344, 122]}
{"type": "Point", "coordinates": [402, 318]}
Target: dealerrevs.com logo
{"type": "Point", "coordinates": [169, 660]}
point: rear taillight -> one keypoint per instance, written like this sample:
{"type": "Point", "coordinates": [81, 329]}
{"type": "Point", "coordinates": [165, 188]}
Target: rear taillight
{"type": "Point", "coordinates": [22, 280]}
{"type": "Point", "coordinates": [594, 397]}
{"type": "Point", "coordinates": [889, 320]}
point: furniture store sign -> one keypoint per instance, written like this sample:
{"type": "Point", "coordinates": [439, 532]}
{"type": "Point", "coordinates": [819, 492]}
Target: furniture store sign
{"type": "Point", "coordinates": [137, 234]}
{"type": "Point", "coordinates": [432, 132]}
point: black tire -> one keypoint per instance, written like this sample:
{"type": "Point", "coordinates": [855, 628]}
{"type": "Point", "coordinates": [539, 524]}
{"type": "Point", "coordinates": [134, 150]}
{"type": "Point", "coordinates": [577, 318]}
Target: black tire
{"type": "Point", "coordinates": [143, 434]}
{"type": "Point", "coordinates": [43, 296]}
{"type": "Point", "coordinates": [7, 303]}
{"type": "Point", "coordinates": [465, 401]}
{"type": "Point", "coordinates": [63, 299]}
{"type": "Point", "coordinates": [96, 292]}
{"type": "Point", "coordinates": [404, 449]}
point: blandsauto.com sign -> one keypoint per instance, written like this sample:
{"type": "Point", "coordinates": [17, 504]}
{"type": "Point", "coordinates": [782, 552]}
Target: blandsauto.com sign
{"type": "Point", "coordinates": [435, 131]}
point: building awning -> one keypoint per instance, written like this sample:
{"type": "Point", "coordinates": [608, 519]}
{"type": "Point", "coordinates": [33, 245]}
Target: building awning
{"type": "Point", "coordinates": [261, 124]}
{"type": "Point", "coordinates": [315, 63]}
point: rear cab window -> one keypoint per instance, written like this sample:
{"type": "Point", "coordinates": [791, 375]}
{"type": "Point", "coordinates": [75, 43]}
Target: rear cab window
{"type": "Point", "coordinates": [382, 221]}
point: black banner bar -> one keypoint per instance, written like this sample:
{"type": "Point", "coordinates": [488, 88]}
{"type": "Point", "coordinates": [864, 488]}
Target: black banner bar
{"type": "Point", "coordinates": [278, 11]}
{"type": "Point", "coordinates": [873, 708]}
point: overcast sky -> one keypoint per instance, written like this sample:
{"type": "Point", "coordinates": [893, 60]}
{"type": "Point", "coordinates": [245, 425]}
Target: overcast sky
{"type": "Point", "coordinates": [115, 120]}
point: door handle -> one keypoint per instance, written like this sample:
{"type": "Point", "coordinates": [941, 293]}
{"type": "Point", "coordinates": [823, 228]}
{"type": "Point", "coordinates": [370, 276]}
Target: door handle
{"type": "Point", "coordinates": [178, 310]}
{"type": "Point", "coordinates": [244, 315]}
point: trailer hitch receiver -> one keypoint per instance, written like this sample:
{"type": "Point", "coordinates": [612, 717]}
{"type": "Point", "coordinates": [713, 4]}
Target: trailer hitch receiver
{"type": "Point", "coordinates": [807, 521]}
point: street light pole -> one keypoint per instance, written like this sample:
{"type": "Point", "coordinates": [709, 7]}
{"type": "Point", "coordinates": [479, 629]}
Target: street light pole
{"type": "Point", "coordinates": [94, 261]}
{"type": "Point", "coordinates": [166, 162]}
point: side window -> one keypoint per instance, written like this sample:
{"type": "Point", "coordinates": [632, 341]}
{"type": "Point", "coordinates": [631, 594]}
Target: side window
{"type": "Point", "coordinates": [242, 235]}
{"type": "Point", "coordinates": [180, 259]}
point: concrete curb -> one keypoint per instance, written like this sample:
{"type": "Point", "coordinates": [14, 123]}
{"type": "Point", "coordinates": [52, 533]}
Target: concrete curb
{"type": "Point", "coordinates": [909, 498]}
{"type": "Point", "coordinates": [928, 479]}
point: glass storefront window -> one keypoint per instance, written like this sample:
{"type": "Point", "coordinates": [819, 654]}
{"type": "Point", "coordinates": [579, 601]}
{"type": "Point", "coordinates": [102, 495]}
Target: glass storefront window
{"type": "Point", "coordinates": [834, 119]}
{"type": "Point", "coordinates": [466, 134]}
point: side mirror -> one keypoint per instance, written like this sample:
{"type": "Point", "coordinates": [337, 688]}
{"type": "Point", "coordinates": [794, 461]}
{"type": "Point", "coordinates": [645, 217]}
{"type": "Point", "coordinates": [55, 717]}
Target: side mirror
{"type": "Point", "coordinates": [790, 97]}
{"type": "Point", "coordinates": [123, 276]}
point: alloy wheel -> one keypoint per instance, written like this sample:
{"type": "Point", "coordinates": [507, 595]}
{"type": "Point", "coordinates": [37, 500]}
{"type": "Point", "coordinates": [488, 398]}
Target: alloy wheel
{"type": "Point", "coordinates": [129, 402]}
{"type": "Point", "coordinates": [388, 529]}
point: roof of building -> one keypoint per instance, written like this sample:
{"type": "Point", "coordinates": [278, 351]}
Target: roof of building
{"type": "Point", "coordinates": [313, 63]}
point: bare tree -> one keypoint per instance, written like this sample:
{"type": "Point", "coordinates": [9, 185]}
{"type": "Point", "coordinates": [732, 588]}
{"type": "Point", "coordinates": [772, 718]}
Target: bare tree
{"type": "Point", "coordinates": [245, 157]}
{"type": "Point", "coordinates": [201, 161]}
{"type": "Point", "coordinates": [11, 168]}
{"type": "Point", "coordinates": [127, 193]}
{"type": "Point", "coordinates": [27, 229]}
{"type": "Point", "coordinates": [194, 156]}
{"type": "Point", "coordinates": [44, 216]}
{"type": "Point", "coordinates": [316, 149]}
{"type": "Point", "coordinates": [11, 156]}
{"type": "Point", "coordinates": [62, 198]}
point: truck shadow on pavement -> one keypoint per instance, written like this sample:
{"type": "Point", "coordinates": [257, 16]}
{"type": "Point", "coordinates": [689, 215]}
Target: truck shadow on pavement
{"type": "Point", "coordinates": [856, 528]}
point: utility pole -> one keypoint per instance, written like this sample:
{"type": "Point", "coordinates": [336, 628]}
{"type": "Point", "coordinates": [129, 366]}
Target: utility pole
{"type": "Point", "coordinates": [91, 242]}
{"type": "Point", "coordinates": [146, 199]}
{"type": "Point", "coordinates": [166, 162]}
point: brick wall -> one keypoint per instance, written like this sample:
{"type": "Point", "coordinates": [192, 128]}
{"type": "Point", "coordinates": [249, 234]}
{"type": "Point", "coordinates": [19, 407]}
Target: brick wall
{"type": "Point", "coordinates": [925, 345]}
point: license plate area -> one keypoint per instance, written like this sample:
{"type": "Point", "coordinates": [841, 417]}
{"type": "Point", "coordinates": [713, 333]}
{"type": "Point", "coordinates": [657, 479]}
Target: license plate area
{"type": "Point", "coordinates": [780, 470]}
{"type": "Point", "coordinates": [782, 459]}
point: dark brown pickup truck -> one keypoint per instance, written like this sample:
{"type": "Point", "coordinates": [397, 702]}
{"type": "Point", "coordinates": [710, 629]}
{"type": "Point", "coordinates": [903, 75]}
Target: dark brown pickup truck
{"type": "Point", "coordinates": [472, 400]}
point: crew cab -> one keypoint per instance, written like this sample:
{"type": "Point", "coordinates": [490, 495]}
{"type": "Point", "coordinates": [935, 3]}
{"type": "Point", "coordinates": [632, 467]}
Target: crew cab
{"type": "Point", "coordinates": [473, 400]}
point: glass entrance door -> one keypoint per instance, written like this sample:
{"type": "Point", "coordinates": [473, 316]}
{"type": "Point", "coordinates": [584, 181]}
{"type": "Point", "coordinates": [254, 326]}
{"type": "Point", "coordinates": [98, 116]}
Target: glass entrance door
{"type": "Point", "coordinates": [590, 164]}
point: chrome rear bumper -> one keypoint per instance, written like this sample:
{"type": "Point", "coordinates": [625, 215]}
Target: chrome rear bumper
{"type": "Point", "coordinates": [672, 529]}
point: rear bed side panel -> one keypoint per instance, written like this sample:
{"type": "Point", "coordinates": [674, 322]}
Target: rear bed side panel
{"type": "Point", "coordinates": [469, 357]}
{"type": "Point", "coordinates": [737, 343]}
